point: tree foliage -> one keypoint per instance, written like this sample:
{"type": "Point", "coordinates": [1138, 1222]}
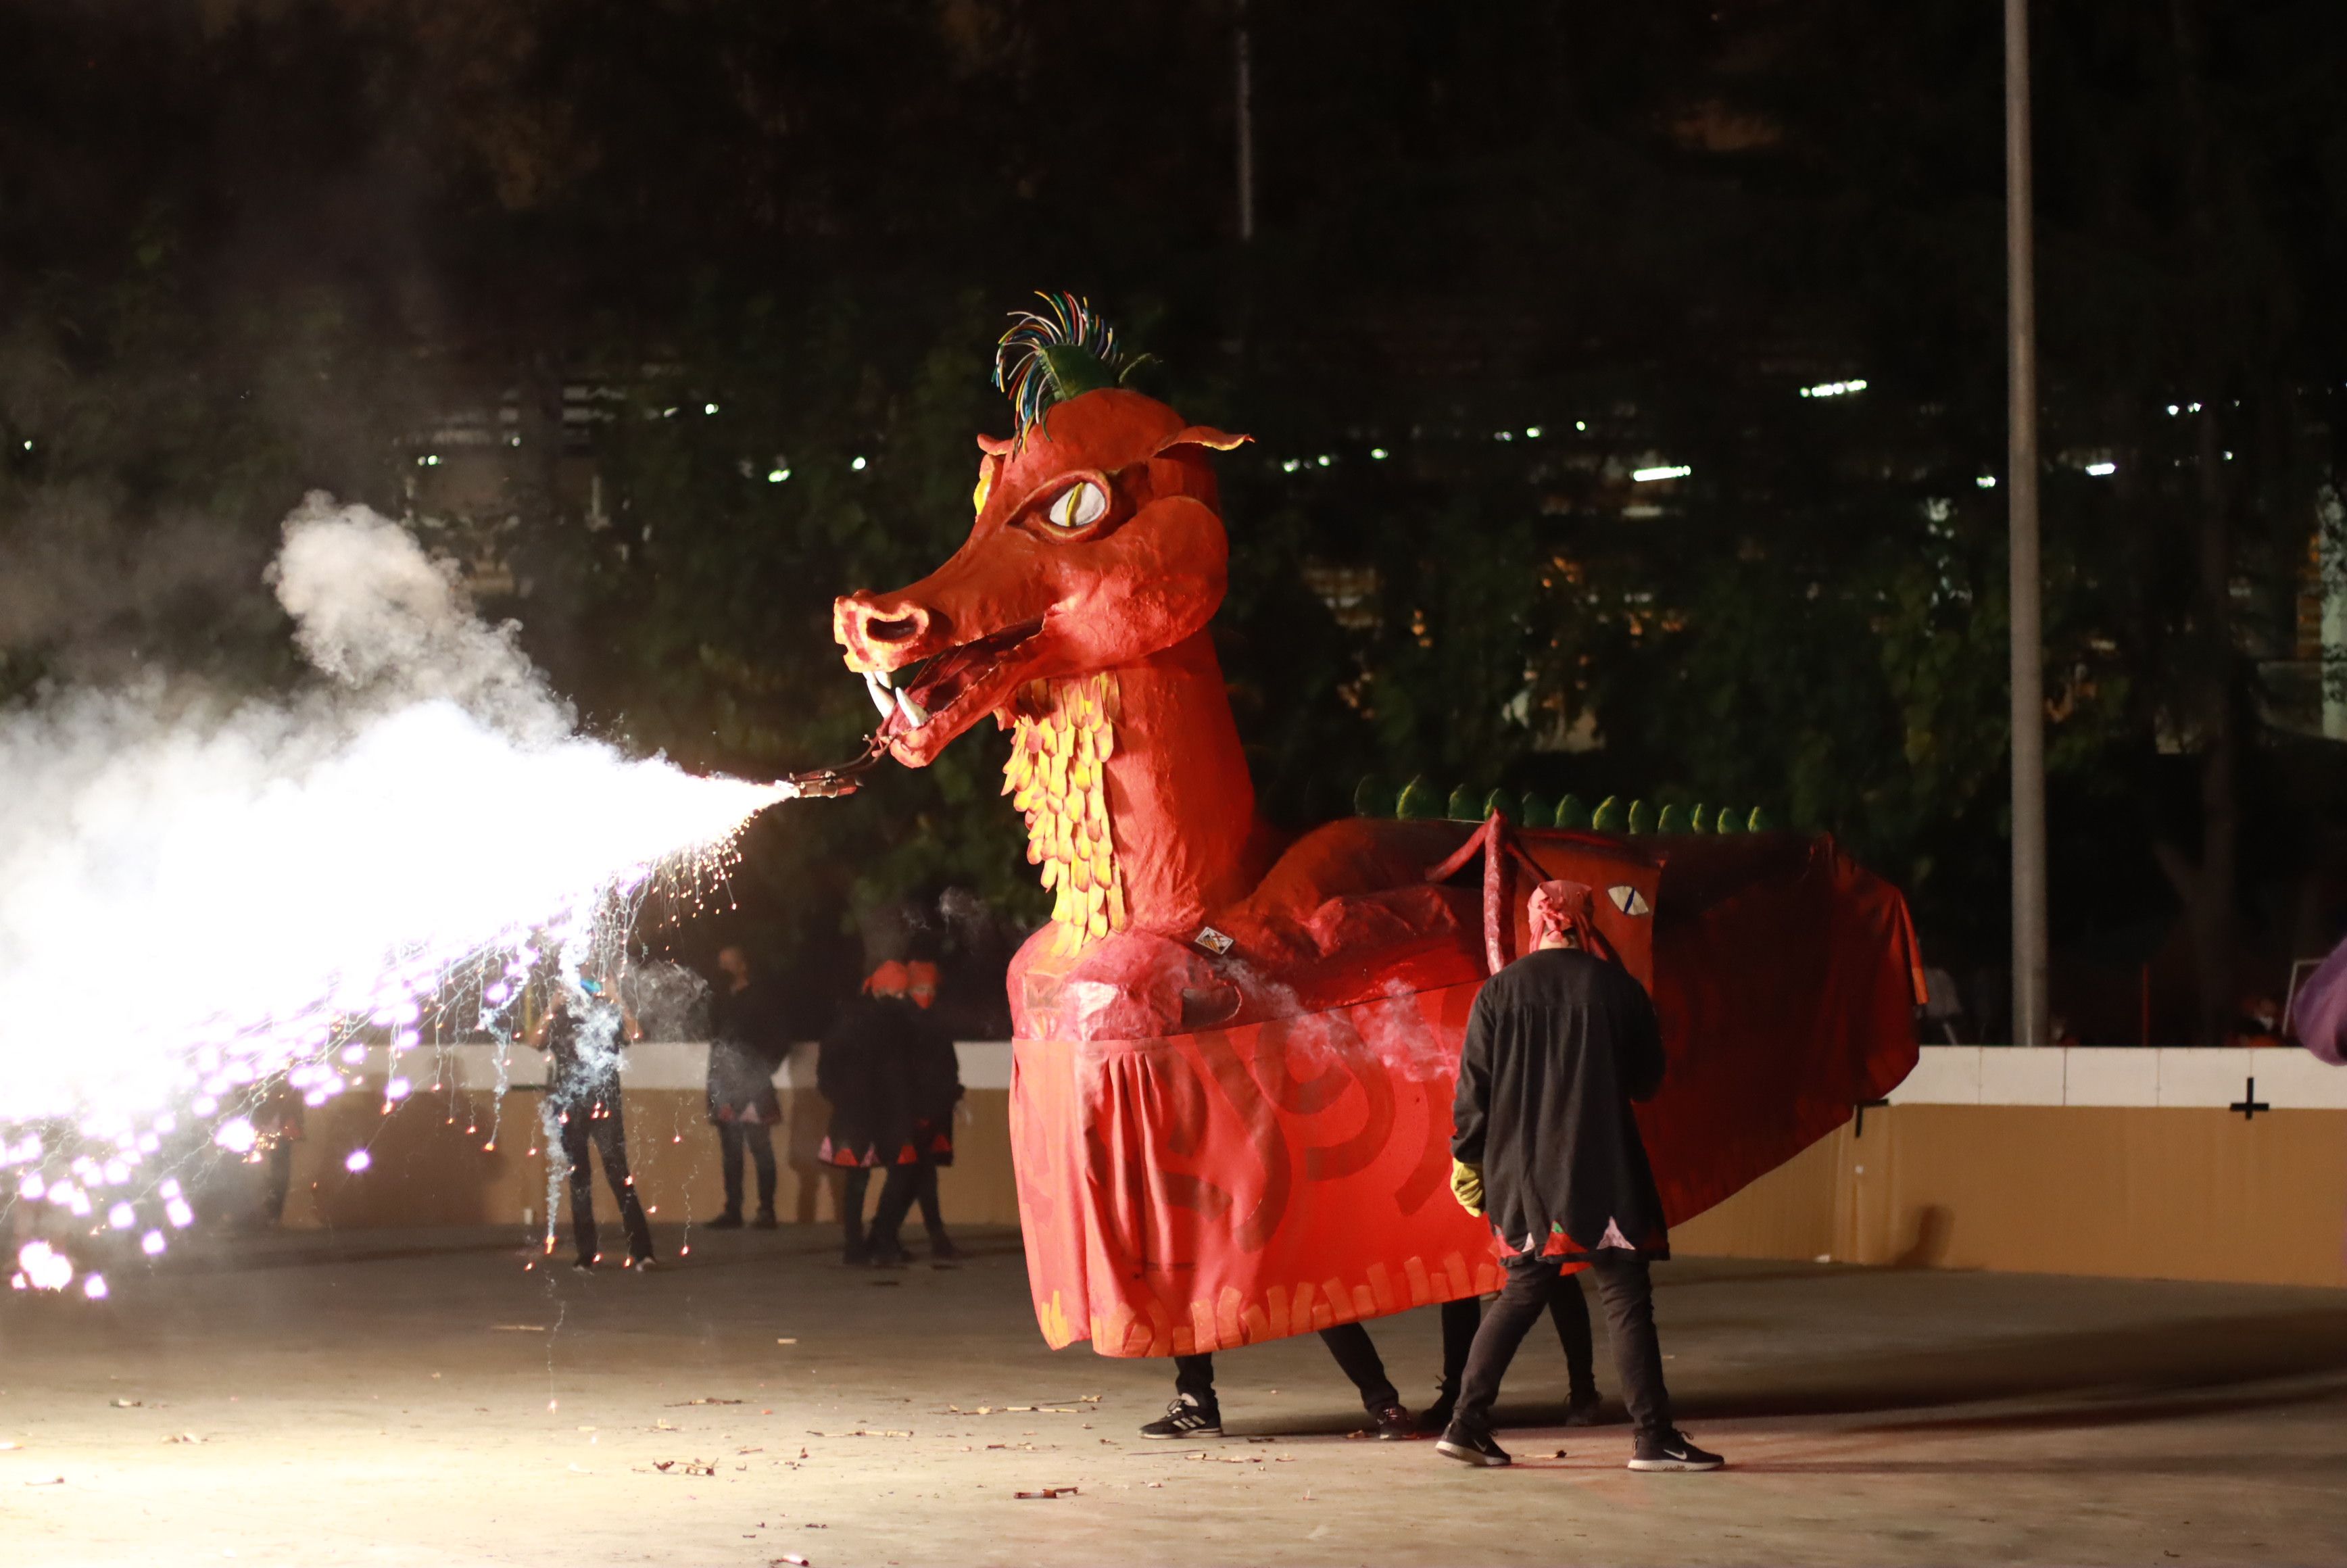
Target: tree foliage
{"type": "Point", "coordinates": [1639, 231]}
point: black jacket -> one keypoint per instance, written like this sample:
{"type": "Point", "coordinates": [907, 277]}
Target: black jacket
{"type": "Point", "coordinates": [890, 1075]}
{"type": "Point", "coordinates": [1558, 1045]}
{"type": "Point", "coordinates": [583, 1044]}
{"type": "Point", "coordinates": [748, 1036]}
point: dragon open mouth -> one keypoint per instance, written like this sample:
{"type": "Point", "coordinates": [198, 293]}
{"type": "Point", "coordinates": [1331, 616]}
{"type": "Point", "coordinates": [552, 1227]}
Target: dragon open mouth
{"type": "Point", "coordinates": [931, 690]}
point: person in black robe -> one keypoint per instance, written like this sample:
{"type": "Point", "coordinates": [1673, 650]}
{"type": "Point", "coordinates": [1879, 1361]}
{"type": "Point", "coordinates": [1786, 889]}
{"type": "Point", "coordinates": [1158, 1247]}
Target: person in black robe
{"type": "Point", "coordinates": [933, 1133]}
{"type": "Point", "coordinates": [889, 1088]}
{"type": "Point", "coordinates": [748, 1038]}
{"type": "Point", "coordinates": [1546, 1147]}
{"type": "Point", "coordinates": [583, 1034]}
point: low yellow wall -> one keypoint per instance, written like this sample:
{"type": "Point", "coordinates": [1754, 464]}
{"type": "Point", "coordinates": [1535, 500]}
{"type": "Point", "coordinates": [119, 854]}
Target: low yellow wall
{"type": "Point", "coordinates": [430, 1166]}
{"type": "Point", "coordinates": [2137, 1192]}
{"type": "Point", "coordinates": [2157, 1193]}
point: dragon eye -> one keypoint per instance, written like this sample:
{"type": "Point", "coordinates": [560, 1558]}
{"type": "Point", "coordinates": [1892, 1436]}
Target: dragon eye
{"type": "Point", "coordinates": [1080, 507]}
{"type": "Point", "coordinates": [985, 485]}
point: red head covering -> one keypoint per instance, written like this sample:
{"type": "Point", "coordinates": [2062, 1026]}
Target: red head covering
{"type": "Point", "coordinates": [1568, 909]}
{"type": "Point", "coordinates": [921, 981]}
{"type": "Point", "coordinates": [890, 979]}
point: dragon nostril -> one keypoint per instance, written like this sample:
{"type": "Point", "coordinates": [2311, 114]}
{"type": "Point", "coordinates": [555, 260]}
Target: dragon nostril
{"type": "Point", "coordinates": [900, 629]}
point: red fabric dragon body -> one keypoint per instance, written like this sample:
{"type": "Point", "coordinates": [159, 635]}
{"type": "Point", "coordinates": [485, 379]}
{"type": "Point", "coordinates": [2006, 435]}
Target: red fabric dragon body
{"type": "Point", "coordinates": [1234, 1056]}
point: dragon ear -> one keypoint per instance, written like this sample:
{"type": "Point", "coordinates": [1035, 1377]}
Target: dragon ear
{"type": "Point", "coordinates": [1204, 436]}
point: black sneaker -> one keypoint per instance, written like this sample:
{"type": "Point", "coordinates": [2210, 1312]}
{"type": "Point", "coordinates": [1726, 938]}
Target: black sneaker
{"type": "Point", "coordinates": [1394, 1423]}
{"type": "Point", "coordinates": [1470, 1448]}
{"type": "Point", "coordinates": [1671, 1450]}
{"type": "Point", "coordinates": [1435, 1420]}
{"type": "Point", "coordinates": [1185, 1418]}
{"type": "Point", "coordinates": [889, 1254]}
{"type": "Point", "coordinates": [942, 1250]}
{"type": "Point", "coordinates": [728, 1220]}
{"type": "Point", "coordinates": [1582, 1410]}
{"type": "Point", "coordinates": [766, 1220]}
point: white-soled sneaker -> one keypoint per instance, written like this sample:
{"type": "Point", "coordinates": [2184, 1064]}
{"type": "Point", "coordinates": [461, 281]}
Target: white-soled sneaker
{"type": "Point", "coordinates": [1185, 1418]}
{"type": "Point", "coordinates": [1471, 1447]}
{"type": "Point", "coordinates": [1672, 1451]}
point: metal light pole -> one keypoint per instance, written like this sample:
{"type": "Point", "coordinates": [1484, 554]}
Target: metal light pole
{"type": "Point", "coordinates": [2028, 656]}
{"type": "Point", "coordinates": [1246, 132]}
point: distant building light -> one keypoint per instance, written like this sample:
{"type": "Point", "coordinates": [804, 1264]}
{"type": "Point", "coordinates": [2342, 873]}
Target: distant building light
{"type": "Point", "coordinates": [1986, 481]}
{"type": "Point", "coordinates": [709, 408]}
{"type": "Point", "coordinates": [356, 1160]}
{"type": "Point", "coordinates": [776, 475]}
{"type": "Point", "coordinates": [1288, 465]}
{"type": "Point", "coordinates": [859, 465]}
{"type": "Point", "coordinates": [1531, 432]}
{"type": "Point", "coordinates": [1504, 436]}
{"type": "Point", "coordinates": [1648, 476]}
{"type": "Point", "coordinates": [1581, 424]}
{"type": "Point", "coordinates": [1378, 452]}
{"type": "Point", "coordinates": [1326, 461]}
{"type": "Point", "coordinates": [1834, 389]}
{"type": "Point", "coordinates": [2191, 408]}
{"type": "Point", "coordinates": [2173, 411]}
{"type": "Point", "coordinates": [668, 414]}
{"type": "Point", "coordinates": [514, 441]}
{"type": "Point", "coordinates": [2105, 470]}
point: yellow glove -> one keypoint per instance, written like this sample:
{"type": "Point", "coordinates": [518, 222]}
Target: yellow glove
{"type": "Point", "coordinates": [1466, 1186]}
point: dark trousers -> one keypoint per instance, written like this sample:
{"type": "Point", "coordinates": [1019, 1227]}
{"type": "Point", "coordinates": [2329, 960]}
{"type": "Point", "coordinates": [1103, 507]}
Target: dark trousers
{"type": "Point", "coordinates": [933, 1219]}
{"type": "Point", "coordinates": [1623, 1285]}
{"type": "Point", "coordinates": [733, 1138]}
{"type": "Point", "coordinates": [1566, 1309]}
{"type": "Point", "coordinates": [1350, 1343]}
{"type": "Point", "coordinates": [897, 1191]}
{"type": "Point", "coordinates": [598, 1122]}
{"type": "Point", "coordinates": [281, 1180]}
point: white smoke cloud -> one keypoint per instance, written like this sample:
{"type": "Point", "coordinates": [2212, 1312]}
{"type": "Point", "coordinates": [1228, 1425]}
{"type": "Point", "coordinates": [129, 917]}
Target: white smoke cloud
{"type": "Point", "coordinates": [191, 892]}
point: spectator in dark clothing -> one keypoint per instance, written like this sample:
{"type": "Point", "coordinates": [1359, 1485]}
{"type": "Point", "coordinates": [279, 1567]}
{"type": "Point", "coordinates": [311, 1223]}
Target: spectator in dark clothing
{"type": "Point", "coordinates": [583, 1034]}
{"type": "Point", "coordinates": [2318, 1014]}
{"type": "Point", "coordinates": [891, 1087]}
{"type": "Point", "coordinates": [934, 1134]}
{"type": "Point", "coordinates": [1559, 1043]}
{"type": "Point", "coordinates": [749, 1035]}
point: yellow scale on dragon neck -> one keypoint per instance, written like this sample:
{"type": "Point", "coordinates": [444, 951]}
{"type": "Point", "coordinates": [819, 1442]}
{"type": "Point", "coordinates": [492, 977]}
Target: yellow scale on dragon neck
{"type": "Point", "coordinates": [1063, 733]}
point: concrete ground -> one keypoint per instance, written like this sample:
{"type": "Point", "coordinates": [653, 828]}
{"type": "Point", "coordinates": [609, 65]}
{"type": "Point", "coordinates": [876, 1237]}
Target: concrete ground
{"type": "Point", "coordinates": [421, 1397]}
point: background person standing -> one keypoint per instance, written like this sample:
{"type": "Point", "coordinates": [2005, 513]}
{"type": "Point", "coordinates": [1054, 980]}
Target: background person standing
{"type": "Point", "coordinates": [940, 1075]}
{"type": "Point", "coordinates": [583, 1034]}
{"type": "Point", "coordinates": [883, 1078]}
{"type": "Point", "coordinates": [1545, 1144]}
{"type": "Point", "coordinates": [749, 1035]}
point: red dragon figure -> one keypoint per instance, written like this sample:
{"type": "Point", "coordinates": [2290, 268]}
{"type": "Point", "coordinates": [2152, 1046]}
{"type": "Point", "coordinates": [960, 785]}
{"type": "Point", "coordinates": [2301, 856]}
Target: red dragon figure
{"type": "Point", "coordinates": [1234, 1055]}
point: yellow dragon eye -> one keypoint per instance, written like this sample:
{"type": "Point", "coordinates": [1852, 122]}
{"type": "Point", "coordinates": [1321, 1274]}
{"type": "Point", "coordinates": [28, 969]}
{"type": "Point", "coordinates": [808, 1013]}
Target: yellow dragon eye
{"type": "Point", "coordinates": [985, 486]}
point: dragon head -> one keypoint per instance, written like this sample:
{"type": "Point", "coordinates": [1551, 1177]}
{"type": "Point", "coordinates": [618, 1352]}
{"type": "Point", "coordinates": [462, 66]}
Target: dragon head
{"type": "Point", "coordinates": [1097, 543]}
